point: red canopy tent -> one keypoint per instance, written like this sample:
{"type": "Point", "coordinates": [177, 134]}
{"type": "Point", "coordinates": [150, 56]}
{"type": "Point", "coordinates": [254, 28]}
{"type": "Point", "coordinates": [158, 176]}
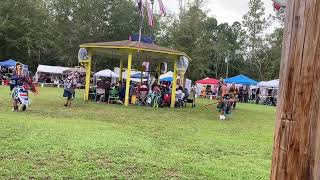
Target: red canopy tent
{"type": "Point", "coordinates": [209, 81]}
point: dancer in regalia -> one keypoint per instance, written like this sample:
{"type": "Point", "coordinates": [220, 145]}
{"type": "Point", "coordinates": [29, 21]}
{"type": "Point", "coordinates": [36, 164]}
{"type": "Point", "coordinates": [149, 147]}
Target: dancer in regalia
{"type": "Point", "coordinates": [20, 86]}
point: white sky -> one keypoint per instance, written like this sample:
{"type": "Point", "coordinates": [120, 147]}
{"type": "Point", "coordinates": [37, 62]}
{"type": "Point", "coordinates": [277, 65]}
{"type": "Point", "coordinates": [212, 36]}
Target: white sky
{"type": "Point", "coordinates": [224, 10]}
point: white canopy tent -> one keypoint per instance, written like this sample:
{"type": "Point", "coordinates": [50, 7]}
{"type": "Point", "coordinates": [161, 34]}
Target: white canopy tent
{"type": "Point", "coordinates": [54, 70]}
{"type": "Point", "coordinates": [106, 73]}
{"type": "Point", "coordinates": [269, 84]}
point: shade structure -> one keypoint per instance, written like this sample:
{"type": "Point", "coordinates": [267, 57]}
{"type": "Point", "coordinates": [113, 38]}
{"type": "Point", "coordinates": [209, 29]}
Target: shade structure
{"type": "Point", "coordinates": [80, 70]}
{"type": "Point", "coordinates": [11, 64]}
{"type": "Point", "coordinates": [138, 80]}
{"type": "Point", "coordinates": [241, 79]}
{"type": "Point", "coordinates": [140, 51]}
{"type": "Point", "coordinates": [51, 69]}
{"type": "Point", "coordinates": [106, 73]}
{"type": "Point", "coordinates": [139, 75]}
{"type": "Point", "coordinates": [208, 81]}
{"type": "Point", "coordinates": [8, 63]}
{"type": "Point", "coordinates": [168, 77]}
{"type": "Point", "coordinates": [269, 84]}
{"type": "Point", "coordinates": [130, 50]}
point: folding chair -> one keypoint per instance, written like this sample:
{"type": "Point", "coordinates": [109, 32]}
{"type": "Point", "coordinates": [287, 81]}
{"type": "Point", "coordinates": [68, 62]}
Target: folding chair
{"type": "Point", "coordinates": [113, 96]}
{"type": "Point", "coordinates": [142, 96]}
{"type": "Point", "coordinates": [101, 95]}
{"type": "Point", "coordinates": [156, 99]}
{"type": "Point", "coordinates": [179, 100]}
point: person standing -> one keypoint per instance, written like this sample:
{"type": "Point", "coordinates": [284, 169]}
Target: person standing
{"type": "Point", "coordinates": [233, 90]}
{"type": "Point", "coordinates": [70, 84]}
{"type": "Point", "coordinates": [224, 90]}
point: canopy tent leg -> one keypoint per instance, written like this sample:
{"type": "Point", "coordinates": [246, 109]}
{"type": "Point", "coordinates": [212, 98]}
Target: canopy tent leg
{"type": "Point", "coordinates": [121, 70]}
{"type": "Point", "coordinates": [88, 75]}
{"type": "Point", "coordinates": [126, 102]}
{"type": "Point", "coordinates": [174, 84]}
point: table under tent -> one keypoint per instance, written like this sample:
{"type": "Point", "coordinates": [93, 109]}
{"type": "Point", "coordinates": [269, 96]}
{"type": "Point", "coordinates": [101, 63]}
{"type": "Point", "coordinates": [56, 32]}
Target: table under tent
{"type": "Point", "coordinates": [268, 93]}
{"type": "Point", "coordinates": [207, 87]}
{"type": "Point", "coordinates": [132, 51]}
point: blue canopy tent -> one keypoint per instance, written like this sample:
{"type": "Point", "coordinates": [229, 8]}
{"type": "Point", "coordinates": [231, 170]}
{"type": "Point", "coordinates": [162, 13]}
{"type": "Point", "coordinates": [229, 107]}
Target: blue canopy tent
{"type": "Point", "coordinates": [138, 75]}
{"type": "Point", "coordinates": [240, 79]}
{"type": "Point", "coordinates": [8, 63]}
{"type": "Point", "coordinates": [167, 79]}
{"type": "Point", "coordinates": [11, 64]}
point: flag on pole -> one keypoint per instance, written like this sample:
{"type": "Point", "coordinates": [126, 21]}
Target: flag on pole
{"type": "Point", "coordinates": [141, 9]}
{"type": "Point", "coordinates": [150, 14]}
{"type": "Point", "coordinates": [162, 8]}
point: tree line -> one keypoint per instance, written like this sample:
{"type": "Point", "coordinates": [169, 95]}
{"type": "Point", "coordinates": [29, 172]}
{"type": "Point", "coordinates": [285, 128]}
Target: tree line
{"type": "Point", "coordinates": [50, 31]}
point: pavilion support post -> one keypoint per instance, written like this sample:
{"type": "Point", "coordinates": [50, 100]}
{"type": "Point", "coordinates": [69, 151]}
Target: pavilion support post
{"type": "Point", "coordinates": [159, 73]}
{"type": "Point", "coordinates": [88, 75]}
{"type": "Point", "coordinates": [174, 84]}
{"type": "Point", "coordinates": [121, 70]}
{"type": "Point", "coordinates": [296, 151]}
{"type": "Point", "coordinates": [126, 102]}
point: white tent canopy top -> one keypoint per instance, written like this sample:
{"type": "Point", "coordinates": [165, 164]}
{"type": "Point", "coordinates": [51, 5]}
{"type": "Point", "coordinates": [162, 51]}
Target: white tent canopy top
{"type": "Point", "coordinates": [52, 69]}
{"type": "Point", "coordinates": [106, 73]}
{"type": "Point", "coordinates": [269, 84]}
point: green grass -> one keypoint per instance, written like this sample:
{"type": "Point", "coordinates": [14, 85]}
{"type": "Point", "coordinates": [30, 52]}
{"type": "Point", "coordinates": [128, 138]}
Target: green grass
{"type": "Point", "coordinates": [99, 141]}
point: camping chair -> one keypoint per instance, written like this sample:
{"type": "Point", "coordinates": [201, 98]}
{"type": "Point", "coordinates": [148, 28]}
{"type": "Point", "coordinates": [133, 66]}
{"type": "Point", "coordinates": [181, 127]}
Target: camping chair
{"type": "Point", "coordinates": [113, 96]}
{"type": "Point", "coordinates": [180, 100]}
{"type": "Point", "coordinates": [101, 94]}
{"type": "Point", "coordinates": [191, 99]}
{"type": "Point", "coordinates": [156, 99]}
{"type": "Point", "coordinates": [142, 96]}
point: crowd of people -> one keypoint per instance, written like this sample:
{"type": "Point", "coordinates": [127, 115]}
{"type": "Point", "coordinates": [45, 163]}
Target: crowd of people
{"type": "Point", "coordinates": [58, 79]}
{"type": "Point", "coordinates": [139, 93]}
{"type": "Point", "coordinates": [157, 95]}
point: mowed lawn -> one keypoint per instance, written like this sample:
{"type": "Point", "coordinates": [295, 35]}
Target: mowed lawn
{"type": "Point", "coordinates": [100, 141]}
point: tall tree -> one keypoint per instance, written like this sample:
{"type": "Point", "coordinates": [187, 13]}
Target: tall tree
{"type": "Point", "coordinates": [24, 30]}
{"type": "Point", "coordinates": [255, 24]}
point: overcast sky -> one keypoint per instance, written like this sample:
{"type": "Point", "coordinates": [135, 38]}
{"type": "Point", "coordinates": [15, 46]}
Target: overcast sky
{"type": "Point", "coordinates": [224, 10]}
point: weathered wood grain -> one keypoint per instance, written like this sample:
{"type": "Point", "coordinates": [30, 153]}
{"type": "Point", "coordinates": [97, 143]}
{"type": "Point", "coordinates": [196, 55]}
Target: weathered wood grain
{"type": "Point", "coordinates": [296, 153]}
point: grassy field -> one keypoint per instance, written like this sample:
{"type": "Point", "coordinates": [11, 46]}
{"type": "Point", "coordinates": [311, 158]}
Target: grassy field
{"type": "Point", "coordinates": [99, 141]}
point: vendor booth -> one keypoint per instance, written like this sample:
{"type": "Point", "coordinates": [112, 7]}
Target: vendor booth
{"type": "Point", "coordinates": [269, 84]}
{"type": "Point", "coordinates": [269, 92]}
{"type": "Point", "coordinates": [208, 81]}
{"type": "Point", "coordinates": [10, 64]}
{"type": "Point", "coordinates": [6, 69]}
{"type": "Point", "coordinates": [50, 74]}
{"type": "Point", "coordinates": [240, 79]}
{"type": "Point", "coordinates": [168, 77]}
{"type": "Point", "coordinates": [207, 87]}
{"type": "Point", "coordinates": [106, 73]}
{"type": "Point", "coordinates": [132, 50]}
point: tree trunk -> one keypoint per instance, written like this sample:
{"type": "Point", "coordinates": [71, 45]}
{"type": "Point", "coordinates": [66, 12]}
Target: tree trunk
{"type": "Point", "coordinates": [296, 153]}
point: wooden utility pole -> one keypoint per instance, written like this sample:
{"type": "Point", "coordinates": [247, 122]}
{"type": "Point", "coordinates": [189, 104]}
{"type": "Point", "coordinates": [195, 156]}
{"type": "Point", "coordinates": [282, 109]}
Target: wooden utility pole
{"type": "Point", "coordinates": [296, 153]}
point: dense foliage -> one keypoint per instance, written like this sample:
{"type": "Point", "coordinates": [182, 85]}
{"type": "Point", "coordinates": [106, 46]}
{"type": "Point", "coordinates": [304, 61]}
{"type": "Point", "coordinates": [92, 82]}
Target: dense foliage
{"type": "Point", "coordinates": [50, 31]}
